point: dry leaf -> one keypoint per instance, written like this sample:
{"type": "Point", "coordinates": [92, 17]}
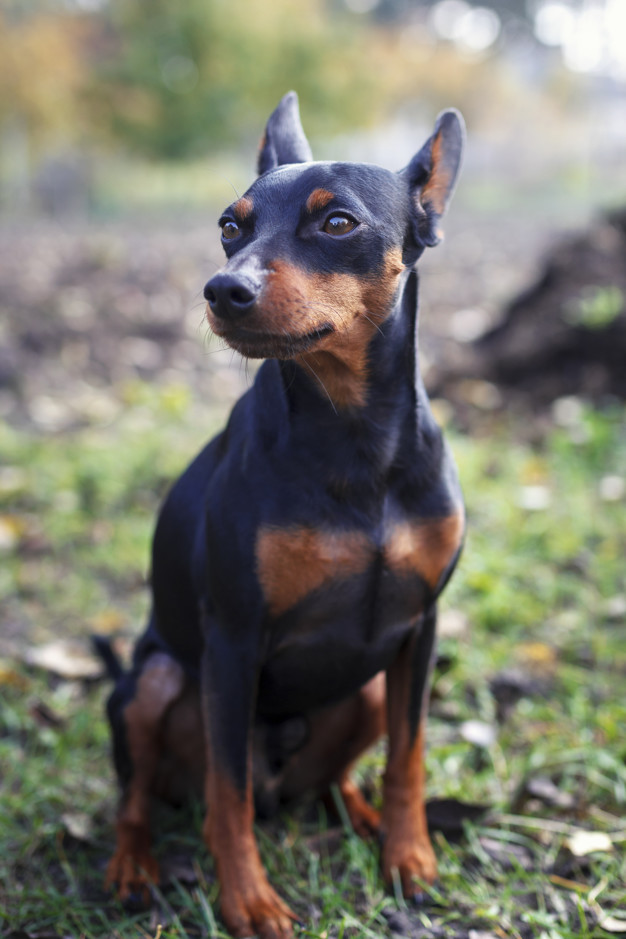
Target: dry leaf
{"type": "Point", "coordinates": [78, 825]}
{"type": "Point", "coordinates": [12, 679]}
{"type": "Point", "coordinates": [534, 498]}
{"type": "Point", "coordinates": [584, 842]}
{"type": "Point", "coordinates": [479, 733]}
{"type": "Point", "coordinates": [10, 532]}
{"type": "Point", "coordinates": [65, 657]}
{"type": "Point", "coordinates": [107, 621]}
{"type": "Point", "coordinates": [451, 624]}
{"type": "Point", "coordinates": [537, 656]}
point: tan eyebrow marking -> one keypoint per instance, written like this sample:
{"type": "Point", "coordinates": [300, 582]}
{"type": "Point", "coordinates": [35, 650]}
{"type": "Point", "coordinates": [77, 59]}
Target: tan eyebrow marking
{"type": "Point", "coordinates": [318, 199]}
{"type": "Point", "coordinates": [243, 207]}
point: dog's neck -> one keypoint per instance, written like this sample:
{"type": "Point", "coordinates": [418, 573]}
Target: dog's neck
{"type": "Point", "coordinates": [394, 415]}
{"type": "Point", "coordinates": [371, 368]}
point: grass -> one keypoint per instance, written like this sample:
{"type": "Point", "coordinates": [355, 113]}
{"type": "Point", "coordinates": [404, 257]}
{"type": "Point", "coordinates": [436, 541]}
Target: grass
{"type": "Point", "coordinates": [540, 588]}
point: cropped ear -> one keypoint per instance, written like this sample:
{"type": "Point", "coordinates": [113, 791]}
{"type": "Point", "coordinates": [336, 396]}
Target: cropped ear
{"type": "Point", "coordinates": [432, 175]}
{"type": "Point", "coordinates": [283, 140]}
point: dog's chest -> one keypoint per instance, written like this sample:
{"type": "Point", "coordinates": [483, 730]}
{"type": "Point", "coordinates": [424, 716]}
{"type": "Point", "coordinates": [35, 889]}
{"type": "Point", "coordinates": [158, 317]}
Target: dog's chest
{"type": "Point", "coordinates": [297, 564]}
{"type": "Point", "coordinates": [341, 603]}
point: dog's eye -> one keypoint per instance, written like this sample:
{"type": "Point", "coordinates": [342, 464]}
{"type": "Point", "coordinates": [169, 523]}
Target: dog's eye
{"type": "Point", "coordinates": [230, 230]}
{"type": "Point", "coordinates": [339, 225]}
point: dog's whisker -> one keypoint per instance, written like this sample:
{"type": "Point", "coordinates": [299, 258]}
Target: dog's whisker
{"type": "Point", "coordinates": [317, 377]}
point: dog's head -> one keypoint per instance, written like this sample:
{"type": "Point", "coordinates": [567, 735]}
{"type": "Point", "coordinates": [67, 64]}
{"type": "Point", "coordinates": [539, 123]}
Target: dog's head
{"type": "Point", "coordinates": [316, 250]}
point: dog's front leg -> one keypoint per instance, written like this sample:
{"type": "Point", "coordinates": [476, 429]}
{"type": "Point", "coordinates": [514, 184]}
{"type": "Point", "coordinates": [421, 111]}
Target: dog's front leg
{"type": "Point", "coordinates": [407, 851]}
{"type": "Point", "coordinates": [250, 906]}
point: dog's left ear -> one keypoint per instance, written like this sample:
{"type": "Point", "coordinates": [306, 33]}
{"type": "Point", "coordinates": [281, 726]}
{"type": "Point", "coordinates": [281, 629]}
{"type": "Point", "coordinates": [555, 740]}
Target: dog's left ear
{"type": "Point", "coordinates": [432, 175]}
{"type": "Point", "coordinates": [284, 140]}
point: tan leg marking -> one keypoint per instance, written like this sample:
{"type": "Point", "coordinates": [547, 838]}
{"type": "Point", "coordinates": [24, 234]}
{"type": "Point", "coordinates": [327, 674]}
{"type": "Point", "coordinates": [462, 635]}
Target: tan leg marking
{"type": "Point", "coordinates": [407, 848]}
{"type": "Point", "coordinates": [250, 906]}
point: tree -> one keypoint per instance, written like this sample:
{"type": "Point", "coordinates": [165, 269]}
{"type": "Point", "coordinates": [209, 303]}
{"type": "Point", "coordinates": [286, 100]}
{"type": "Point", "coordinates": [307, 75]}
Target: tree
{"type": "Point", "coordinates": [180, 79]}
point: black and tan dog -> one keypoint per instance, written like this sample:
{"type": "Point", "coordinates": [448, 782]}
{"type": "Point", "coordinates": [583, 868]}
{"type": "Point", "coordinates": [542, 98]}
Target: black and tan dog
{"type": "Point", "coordinates": [298, 560]}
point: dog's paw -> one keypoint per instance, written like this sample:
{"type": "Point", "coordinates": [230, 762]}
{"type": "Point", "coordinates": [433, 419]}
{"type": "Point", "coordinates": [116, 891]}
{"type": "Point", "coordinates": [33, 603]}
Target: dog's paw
{"type": "Point", "coordinates": [257, 911]}
{"type": "Point", "coordinates": [412, 861]}
{"type": "Point", "coordinates": [364, 819]}
{"type": "Point", "coordinates": [132, 869]}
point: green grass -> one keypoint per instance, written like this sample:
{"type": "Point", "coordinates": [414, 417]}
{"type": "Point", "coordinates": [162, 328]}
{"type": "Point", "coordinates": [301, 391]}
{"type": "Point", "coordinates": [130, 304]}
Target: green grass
{"type": "Point", "coordinates": [540, 589]}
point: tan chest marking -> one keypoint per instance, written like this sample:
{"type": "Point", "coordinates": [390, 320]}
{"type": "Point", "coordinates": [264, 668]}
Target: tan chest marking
{"type": "Point", "coordinates": [292, 562]}
{"type": "Point", "coordinates": [424, 547]}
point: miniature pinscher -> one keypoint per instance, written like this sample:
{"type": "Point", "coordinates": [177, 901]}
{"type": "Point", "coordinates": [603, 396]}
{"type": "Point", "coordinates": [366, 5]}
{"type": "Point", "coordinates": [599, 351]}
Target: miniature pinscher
{"type": "Point", "coordinates": [298, 560]}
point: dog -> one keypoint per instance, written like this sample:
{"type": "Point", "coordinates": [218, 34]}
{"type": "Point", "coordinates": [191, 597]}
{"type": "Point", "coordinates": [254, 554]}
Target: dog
{"type": "Point", "coordinates": [298, 560]}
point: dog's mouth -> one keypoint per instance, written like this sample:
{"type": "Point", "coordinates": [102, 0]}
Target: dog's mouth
{"type": "Point", "coordinates": [255, 344]}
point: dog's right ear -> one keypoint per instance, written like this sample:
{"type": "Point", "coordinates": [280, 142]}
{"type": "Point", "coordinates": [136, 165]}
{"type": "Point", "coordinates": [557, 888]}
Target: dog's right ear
{"type": "Point", "coordinates": [284, 140]}
{"type": "Point", "coordinates": [432, 175]}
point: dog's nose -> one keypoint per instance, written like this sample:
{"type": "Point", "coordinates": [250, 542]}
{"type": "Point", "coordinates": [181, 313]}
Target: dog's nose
{"type": "Point", "coordinates": [229, 297]}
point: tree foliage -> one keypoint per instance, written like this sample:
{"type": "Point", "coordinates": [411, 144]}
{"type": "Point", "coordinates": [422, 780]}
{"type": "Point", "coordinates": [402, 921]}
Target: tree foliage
{"type": "Point", "coordinates": [42, 74]}
{"type": "Point", "coordinates": [178, 79]}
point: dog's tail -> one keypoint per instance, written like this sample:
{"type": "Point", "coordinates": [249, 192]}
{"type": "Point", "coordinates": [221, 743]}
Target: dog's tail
{"type": "Point", "coordinates": [104, 650]}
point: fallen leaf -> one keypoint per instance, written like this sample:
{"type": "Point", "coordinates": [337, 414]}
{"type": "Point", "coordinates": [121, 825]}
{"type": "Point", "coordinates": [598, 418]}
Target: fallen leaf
{"type": "Point", "coordinates": [79, 825]}
{"type": "Point", "coordinates": [534, 498]}
{"type": "Point", "coordinates": [107, 621]}
{"type": "Point", "coordinates": [479, 733]}
{"type": "Point", "coordinates": [12, 679]}
{"type": "Point", "coordinates": [582, 842]}
{"type": "Point", "coordinates": [10, 532]}
{"type": "Point", "coordinates": [67, 658]}
{"type": "Point", "coordinates": [452, 624]}
{"type": "Point", "coordinates": [537, 655]}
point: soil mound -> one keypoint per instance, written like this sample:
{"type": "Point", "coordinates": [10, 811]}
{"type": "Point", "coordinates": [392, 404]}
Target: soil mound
{"type": "Point", "coordinates": [566, 334]}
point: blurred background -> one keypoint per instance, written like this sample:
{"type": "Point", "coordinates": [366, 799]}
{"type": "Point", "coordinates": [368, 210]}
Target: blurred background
{"type": "Point", "coordinates": [125, 127]}
{"type": "Point", "coordinates": [109, 105]}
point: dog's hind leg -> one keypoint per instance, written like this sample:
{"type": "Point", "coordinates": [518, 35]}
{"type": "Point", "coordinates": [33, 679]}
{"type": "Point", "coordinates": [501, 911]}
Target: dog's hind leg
{"type": "Point", "coordinates": [138, 725]}
{"type": "Point", "coordinates": [338, 736]}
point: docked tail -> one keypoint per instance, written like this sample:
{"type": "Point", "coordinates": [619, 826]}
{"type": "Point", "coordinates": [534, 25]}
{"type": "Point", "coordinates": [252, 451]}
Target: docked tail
{"type": "Point", "coordinates": [103, 648]}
